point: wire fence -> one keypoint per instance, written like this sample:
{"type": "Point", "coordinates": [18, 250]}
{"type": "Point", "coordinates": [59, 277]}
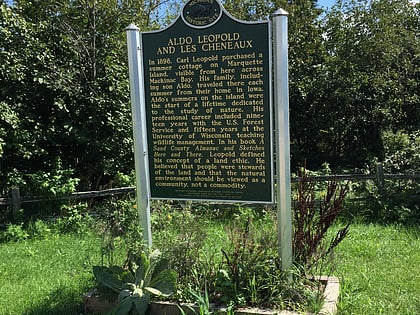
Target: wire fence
{"type": "Point", "coordinates": [15, 200]}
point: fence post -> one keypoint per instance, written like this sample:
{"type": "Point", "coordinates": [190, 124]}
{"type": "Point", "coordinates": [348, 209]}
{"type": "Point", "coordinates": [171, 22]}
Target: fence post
{"type": "Point", "coordinates": [380, 178]}
{"type": "Point", "coordinates": [16, 202]}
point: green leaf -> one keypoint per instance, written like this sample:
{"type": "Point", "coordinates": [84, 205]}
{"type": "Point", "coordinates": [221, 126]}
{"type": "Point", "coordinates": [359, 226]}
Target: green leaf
{"type": "Point", "coordinates": [107, 278]}
{"type": "Point", "coordinates": [164, 283]}
{"type": "Point", "coordinates": [123, 295]}
{"type": "Point", "coordinates": [160, 266]}
{"type": "Point", "coordinates": [143, 265]}
{"type": "Point", "coordinates": [125, 306]}
{"type": "Point", "coordinates": [142, 303]}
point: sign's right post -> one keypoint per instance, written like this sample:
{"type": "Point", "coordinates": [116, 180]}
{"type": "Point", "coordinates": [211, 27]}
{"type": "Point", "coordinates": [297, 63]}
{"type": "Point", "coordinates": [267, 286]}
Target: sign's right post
{"type": "Point", "coordinates": [282, 138]}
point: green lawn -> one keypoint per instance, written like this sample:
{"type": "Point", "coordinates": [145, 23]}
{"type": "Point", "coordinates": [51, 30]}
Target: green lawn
{"type": "Point", "coordinates": [378, 266]}
{"type": "Point", "coordinates": [48, 276]}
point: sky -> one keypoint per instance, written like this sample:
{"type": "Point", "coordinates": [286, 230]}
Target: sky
{"type": "Point", "coordinates": [329, 3]}
{"type": "Point", "coordinates": [326, 3]}
{"type": "Point", "coordinates": [321, 3]}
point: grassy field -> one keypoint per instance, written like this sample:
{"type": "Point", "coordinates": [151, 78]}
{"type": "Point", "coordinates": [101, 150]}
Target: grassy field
{"type": "Point", "coordinates": [44, 277]}
{"type": "Point", "coordinates": [378, 266]}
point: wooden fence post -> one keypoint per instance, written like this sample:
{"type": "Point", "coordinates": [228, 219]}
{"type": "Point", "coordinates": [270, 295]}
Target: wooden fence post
{"type": "Point", "coordinates": [380, 178]}
{"type": "Point", "coordinates": [16, 202]}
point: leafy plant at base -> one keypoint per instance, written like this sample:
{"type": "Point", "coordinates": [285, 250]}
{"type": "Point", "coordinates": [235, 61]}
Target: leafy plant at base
{"type": "Point", "coordinates": [145, 275]}
{"type": "Point", "coordinates": [202, 301]}
{"type": "Point", "coordinates": [182, 247]}
{"type": "Point", "coordinates": [13, 233]}
{"type": "Point", "coordinates": [239, 258]}
{"type": "Point", "coordinates": [312, 220]}
{"type": "Point", "coordinates": [119, 229]}
{"type": "Point", "coordinates": [251, 274]}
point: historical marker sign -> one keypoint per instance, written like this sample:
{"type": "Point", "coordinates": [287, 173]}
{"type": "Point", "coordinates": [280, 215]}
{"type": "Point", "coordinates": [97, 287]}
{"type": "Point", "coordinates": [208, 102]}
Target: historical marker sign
{"type": "Point", "coordinates": [207, 83]}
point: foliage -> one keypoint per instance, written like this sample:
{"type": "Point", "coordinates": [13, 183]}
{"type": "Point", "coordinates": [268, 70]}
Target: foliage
{"type": "Point", "coordinates": [202, 301]}
{"type": "Point", "coordinates": [74, 219]}
{"type": "Point", "coordinates": [311, 221]}
{"type": "Point", "coordinates": [375, 264]}
{"type": "Point", "coordinates": [146, 274]}
{"type": "Point", "coordinates": [14, 233]}
{"type": "Point", "coordinates": [353, 74]}
{"type": "Point", "coordinates": [251, 275]}
{"type": "Point", "coordinates": [40, 230]}
{"type": "Point", "coordinates": [119, 228]}
{"type": "Point", "coordinates": [182, 254]}
{"type": "Point", "coordinates": [64, 87]}
{"type": "Point", "coordinates": [236, 263]}
{"type": "Point", "coordinates": [399, 200]}
{"type": "Point", "coordinates": [369, 80]}
{"type": "Point", "coordinates": [202, 305]}
{"type": "Point", "coordinates": [55, 183]}
{"type": "Point", "coordinates": [249, 262]}
{"type": "Point", "coordinates": [49, 188]}
{"type": "Point", "coordinates": [402, 151]}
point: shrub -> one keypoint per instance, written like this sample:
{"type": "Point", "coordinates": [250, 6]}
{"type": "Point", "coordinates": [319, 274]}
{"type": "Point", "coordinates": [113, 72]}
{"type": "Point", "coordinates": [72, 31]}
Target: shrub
{"type": "Point", "coordinates": [312, 218]}
{"type": "Point", "coordinates": [399, 201]}
{"type": "Point", "coordinates": [14, 233]}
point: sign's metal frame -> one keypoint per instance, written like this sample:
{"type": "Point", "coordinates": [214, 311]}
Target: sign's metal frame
{"type": "Point", "coordinates": [279, 95]}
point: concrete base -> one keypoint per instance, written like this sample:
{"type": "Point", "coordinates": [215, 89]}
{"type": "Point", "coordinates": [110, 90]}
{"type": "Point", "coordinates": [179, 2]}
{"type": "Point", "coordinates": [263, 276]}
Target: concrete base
{"type": "Point", "coordinates": [329, 307]}
{"type": "Point", "coordinates": [331, 293]}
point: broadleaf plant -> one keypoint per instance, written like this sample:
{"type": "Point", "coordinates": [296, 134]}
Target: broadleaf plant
{"type": "Point", "coordinates": [145, 275]}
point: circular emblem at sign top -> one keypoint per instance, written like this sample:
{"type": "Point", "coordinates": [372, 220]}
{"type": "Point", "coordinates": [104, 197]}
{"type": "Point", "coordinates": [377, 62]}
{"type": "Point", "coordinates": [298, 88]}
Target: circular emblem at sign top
{"type": "Point", "coordinates": [201, 13]}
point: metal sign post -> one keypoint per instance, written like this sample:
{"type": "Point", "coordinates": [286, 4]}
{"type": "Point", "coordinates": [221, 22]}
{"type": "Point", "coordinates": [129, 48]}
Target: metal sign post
{"type": "Point", "coordinates": [281, 108]}
{"type": "Point", "coordinates": [139, 132]}
{"type": "Point", "coordinates": [201, 94]}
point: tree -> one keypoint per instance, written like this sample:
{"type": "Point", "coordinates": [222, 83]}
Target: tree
{"type": "Point", "coordinates": [18, 126]}
{"type": "Point", "coordinates": [370, 79]}
{"type": "Point", "coordinates": [306, 57]}
{"type": "Point", "coordinates": [65, 87]}
{"type": "Point", "coordinates": [64, 82]}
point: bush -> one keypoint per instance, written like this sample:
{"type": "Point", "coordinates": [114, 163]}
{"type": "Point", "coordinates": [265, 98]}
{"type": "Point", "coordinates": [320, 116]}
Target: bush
{"type": "Point", "coordinates": [402, 151]}
{"type": "Point", "coordinates": [313, 215]}
{"type": "Point", "coordinates": [14, 233]}
{"type": "Point", "coordinates": [399, 202]}
{"type": "Point", "coordinates": [233, 262]}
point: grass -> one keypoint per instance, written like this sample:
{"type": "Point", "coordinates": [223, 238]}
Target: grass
{"type": "Point", "coordinates": [378, 267]}
{"type": "Point", "coordinates": [42, 277]}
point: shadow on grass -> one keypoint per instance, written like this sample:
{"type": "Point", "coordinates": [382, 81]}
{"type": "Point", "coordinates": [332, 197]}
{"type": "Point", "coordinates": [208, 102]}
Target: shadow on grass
{"type": "Point", "coordinates": [62, 301]}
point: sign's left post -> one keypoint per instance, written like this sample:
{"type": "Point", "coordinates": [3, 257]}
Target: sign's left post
{"type": "Point", "coordinates": [137, 96]}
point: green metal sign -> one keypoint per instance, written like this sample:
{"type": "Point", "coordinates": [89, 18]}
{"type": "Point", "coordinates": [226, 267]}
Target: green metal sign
{"type": "Point", "coordinates": [207, 83]}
